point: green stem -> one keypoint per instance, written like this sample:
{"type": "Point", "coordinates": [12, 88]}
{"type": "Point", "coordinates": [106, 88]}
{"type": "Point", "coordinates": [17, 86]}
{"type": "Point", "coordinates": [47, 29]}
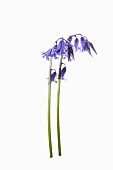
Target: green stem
{"type": "Point", "coordinates": [49, 111]}
{"type": "Point", "coordinates": [58, 108]}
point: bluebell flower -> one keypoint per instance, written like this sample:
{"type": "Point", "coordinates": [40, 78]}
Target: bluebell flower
{"type": "Point", "coordinates": [53, 76]}
{"type": "Point", "coordinates": [76, 42]}
{"type": "Point", "coordinates": [54, 52]}
{"type": "Point", "coordinates": [91, 45]}
{"type": "Point", "coordinates": [61, 47]}
{"type": "Point", "coordinates": [70, 53]}
{"type": "Point", "coordinates": [82, 40]}
{"type": "Point", "coordinates": [47, 54]}
{"type": "Point", "coordinates": [87, 47]}
{"type": "Point", "coordinates": [63, 71]}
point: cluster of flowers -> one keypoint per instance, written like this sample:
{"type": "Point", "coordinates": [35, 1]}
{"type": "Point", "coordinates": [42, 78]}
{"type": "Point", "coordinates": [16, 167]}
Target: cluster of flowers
{"type": "Point", "coordinates": [66, 49]}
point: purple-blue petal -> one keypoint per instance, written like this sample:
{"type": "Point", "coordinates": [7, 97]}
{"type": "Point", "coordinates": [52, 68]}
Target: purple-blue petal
{"type": "Point", "coordinates": [53, 76]}
{"type": "Point", "coordinates": [63, 71]}
{"type": "Point", "coordinates": [87, 47]}
{"type": "Point", "coordinates": [58, 49]}
{"type": "Point", "coordinates": [47, 54]}
{"type": "Point", "coordinates": [76, 42]}
{"type": "Point", "coordinates": [82, 40]}
{"type": "Point", "coordinates": [70, 52]}
{"type": "Point", "coordinates": [91, 45]}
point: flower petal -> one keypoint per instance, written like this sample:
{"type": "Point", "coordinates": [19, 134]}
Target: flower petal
{"type": "Point", "coordinates": [70, 52]}
{"type": "Point", "coordinates": [91, 45]}
{"type": "Point", "coordinates": [53, 76]}
{"type": "Point", "coordinates": [47, 54]}
{"type": "Point", "coordinates": [63, 71]}
{"type": "Point", "coordinates": [76, 42]}
{"type": "Point", "coordinates": [87, 47]}
{"type": "Point", "coordinates": [82, 43]}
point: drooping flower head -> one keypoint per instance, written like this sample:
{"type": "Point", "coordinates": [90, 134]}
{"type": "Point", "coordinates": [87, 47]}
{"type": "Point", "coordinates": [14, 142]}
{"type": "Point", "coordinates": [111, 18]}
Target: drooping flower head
{"type": "Point", "coordinates": [81, 43]}
{"type": "Point", "coordinates": [50, 53]}
{"type": "Point", "coordinates": [66, 48]}
{"type": "Point", "coordinates": [62, 48]}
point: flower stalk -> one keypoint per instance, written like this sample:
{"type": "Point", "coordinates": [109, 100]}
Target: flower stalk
{"type": "Point", "coordinates": [58, 109]}
{"type": "Point", "coordinates": [49, 111]}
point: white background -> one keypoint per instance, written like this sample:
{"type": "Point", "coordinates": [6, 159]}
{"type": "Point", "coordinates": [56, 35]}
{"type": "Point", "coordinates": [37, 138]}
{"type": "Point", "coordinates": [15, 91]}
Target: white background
{"type": "Point", "coordinates": [26, 29]}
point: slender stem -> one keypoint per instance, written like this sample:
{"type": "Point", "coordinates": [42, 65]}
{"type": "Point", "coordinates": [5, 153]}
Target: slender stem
{"type": "Point", "coordinates": [49, 111]}
{"type": "Point", "coordinates": [58, 108]}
